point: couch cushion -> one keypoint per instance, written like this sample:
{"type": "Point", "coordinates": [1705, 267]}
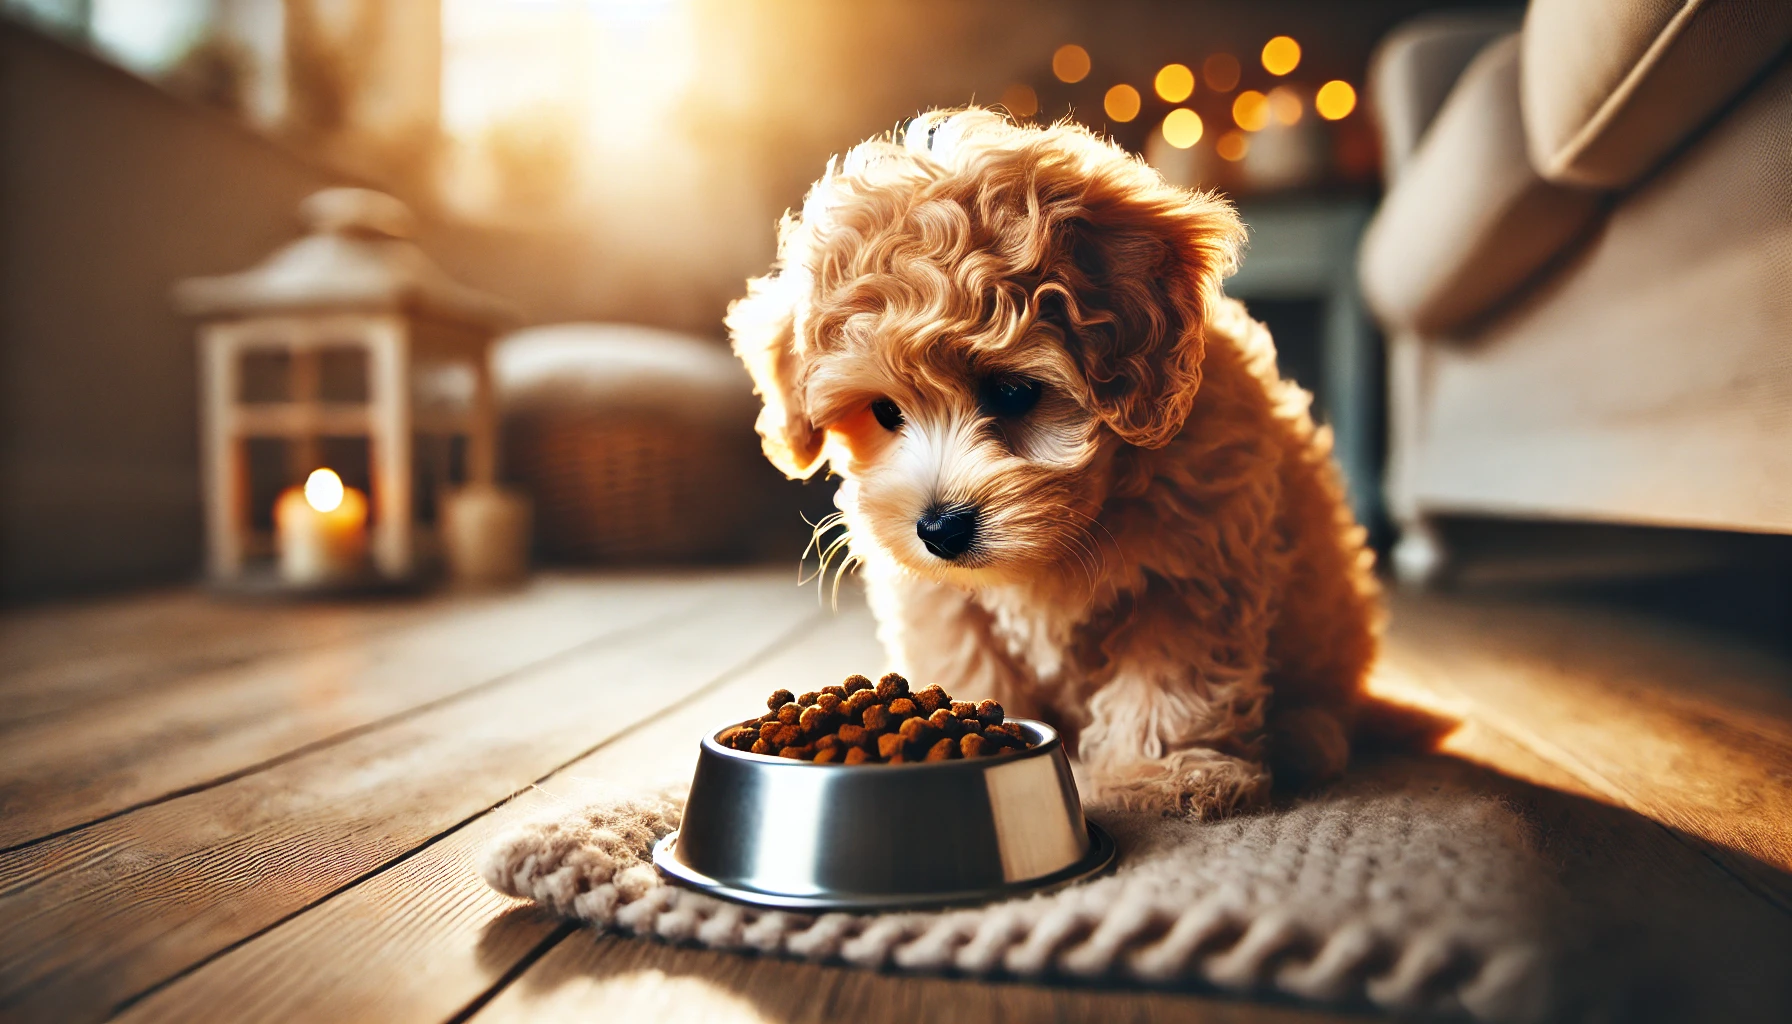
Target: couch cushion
{"type": "Point", "coordinates": [1469, 221]}
{"type": "Point", "coordinates": [1650, 378]}
{"type": "Point", "coordinates": [1413, 70]}
{"type": "Point", "coordinates": [1609, 87]}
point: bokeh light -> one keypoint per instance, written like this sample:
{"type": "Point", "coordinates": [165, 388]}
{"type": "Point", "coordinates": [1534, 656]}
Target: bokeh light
{"type": "Point", "coordinates": [1121, 102]}
{"type": "Point", "coordinates": [1021, 100]}
{"type": "Point", "coordinates": [1175, 82]}
{"type": "Point", "coordinates": [1250, 110]}
{"type": "Point", "coordinates": [1070, 63]}
{"type": "Point", "coordinates": [1285, 105]}
{"type": "Point", "coordinates": [1281, 55]}
{"type": "Point", "coordinates": [1221, 71]}
{"type": "Point", "coordinates": [1182, 128]}
{"type": "Point", "coordinates": [1232, 145]}
{"type": "Point", "coordinates": [1335, 100]}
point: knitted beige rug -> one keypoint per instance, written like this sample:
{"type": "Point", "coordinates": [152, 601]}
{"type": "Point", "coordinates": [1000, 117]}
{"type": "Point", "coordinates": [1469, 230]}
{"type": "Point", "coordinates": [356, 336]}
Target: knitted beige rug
{"type": "Point", "coordinates": [1405, 889]}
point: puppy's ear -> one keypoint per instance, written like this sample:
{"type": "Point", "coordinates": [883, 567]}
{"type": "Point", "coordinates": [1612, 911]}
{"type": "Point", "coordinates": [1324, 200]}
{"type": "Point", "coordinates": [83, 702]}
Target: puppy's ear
{"type": "Point", "coordinates": [762, 328]}
{"type": "Point", "coordinates": [1139, 269]}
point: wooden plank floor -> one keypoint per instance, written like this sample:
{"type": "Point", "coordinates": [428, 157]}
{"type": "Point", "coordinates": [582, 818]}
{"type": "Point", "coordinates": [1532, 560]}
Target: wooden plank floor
{"type": "Point", "coordinates": [267, 812]}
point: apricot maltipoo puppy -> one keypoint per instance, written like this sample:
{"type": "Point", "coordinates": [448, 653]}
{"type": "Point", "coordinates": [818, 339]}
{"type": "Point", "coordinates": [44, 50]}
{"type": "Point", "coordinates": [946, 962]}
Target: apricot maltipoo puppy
{"type": "Point", "coordinates": [1072, 475]}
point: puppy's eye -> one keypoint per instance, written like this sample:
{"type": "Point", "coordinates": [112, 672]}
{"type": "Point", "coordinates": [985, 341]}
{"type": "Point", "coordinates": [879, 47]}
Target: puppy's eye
{"type": "Point", "coordinates": [1009, 397]}
{"type": "Point", "coordinates": [887, 414]}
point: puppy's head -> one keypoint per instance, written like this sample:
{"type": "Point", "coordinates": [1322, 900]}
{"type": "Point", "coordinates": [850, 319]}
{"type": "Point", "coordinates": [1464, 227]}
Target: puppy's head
{"type": "Point", "coordinates": [967, 321]}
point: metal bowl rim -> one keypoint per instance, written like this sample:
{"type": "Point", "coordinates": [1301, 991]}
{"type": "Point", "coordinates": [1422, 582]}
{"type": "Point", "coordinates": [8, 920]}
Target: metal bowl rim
{"type": "Point", "coordinates": [1103, 852]}
{"type": "Point", "coordinates": [1043, 748]}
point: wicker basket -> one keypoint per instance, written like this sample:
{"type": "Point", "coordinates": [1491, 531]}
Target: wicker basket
{"type": "Point", "coordinates": [637, 445]}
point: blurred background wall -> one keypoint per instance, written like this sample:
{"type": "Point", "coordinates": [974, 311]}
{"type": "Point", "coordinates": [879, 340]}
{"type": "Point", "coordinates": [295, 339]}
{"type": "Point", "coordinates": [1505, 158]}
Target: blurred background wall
{"type": "Point", "coordinates": [608, 161]}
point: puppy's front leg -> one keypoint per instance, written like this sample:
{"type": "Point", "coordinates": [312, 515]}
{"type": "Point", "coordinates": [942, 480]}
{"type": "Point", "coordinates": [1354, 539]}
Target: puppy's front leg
{"type": "Point", "coordinates": [934, 633]}
{"type": "Point", "coordinates": [1160, 741]}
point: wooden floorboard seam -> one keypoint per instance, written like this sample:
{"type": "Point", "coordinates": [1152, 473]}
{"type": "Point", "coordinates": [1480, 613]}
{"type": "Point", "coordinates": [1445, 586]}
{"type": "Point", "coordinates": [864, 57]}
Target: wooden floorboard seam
{"type": "Point", "coordinates": [345, 735]}
{"type": "Point", "coordinates": [136, 997]}
{"type": "Point", "coordinates": [561, 933]}
{"type": "Point", "coordinates": [160, 674]}
{"type": "Point", "coordinates": [721, 679]}
{"type": "Point", "coordinates": [1597, 782]}
{"type": "Point", "coordinates": [1714, 854]}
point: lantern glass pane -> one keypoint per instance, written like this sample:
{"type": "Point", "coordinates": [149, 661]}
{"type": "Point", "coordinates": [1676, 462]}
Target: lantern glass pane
{"type": "Point", "coordinates": [269, 463]}
{"type": "Point", "coordinates": [266, 377]}
{"type": "Point", "coordinates": [342, 375]}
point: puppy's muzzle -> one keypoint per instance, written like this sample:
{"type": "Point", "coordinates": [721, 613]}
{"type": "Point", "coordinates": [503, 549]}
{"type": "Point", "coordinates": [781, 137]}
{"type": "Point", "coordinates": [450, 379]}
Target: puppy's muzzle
{"type": "Point", "coordinates": [949, 531]}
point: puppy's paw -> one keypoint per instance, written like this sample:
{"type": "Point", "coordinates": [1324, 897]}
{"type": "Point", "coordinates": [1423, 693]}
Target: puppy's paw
{"type": "Point", "coordinates": [1203, 784]}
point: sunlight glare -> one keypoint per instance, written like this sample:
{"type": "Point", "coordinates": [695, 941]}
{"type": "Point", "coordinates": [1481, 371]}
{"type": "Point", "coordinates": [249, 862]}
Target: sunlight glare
{"type": "Point", "coordinates": [617, 69]}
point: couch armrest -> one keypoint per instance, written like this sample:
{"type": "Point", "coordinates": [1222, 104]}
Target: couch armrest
{"type": "Point", "coordinates": [1610, 87]}
{"type": "Point", "coordinates": [1469, 221]}
{"type": "Point", "coordinates": [1414, 68]}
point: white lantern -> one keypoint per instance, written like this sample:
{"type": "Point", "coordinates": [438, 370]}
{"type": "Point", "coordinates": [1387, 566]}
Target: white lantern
{"type": "Point", "coordinates": [351, 337]}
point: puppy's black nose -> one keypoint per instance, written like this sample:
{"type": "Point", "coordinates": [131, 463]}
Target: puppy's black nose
{"type": "Point", "coordinates": [947, 532]}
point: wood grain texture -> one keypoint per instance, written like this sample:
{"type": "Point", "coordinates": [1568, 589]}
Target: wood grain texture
{"type": "Point", "coordinates": [422, 940]}
{"type": "Point", "coordinates": [83, 766]}
{"type": "Point", "coordinates": [1673, 724]}
{"type": "Point", "coordinates": [104, 913]}
{"type": "Point", "coordinates": [67, 657]}
{"type": "Point", "coordinates": [338, 882]}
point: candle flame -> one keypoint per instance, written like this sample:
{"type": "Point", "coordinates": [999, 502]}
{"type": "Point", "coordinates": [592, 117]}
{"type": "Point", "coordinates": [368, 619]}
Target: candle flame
{"type": "Point", "coordinates": [323, 490]}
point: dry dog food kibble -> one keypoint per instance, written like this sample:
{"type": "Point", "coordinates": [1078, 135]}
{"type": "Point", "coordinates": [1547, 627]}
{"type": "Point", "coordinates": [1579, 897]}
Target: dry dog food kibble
{"type": "Point", "coordinates": [861, 723]}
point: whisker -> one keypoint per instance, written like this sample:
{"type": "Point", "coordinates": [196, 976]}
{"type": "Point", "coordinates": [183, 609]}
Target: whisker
{"type": "Point", "coordinates": [1093, 521]}
{"type": "Point", "coordinates": [851, 561]}
{"type": "Point", "coordinates": [818, 529]}
{"type": "Point", "coordinates": [1083, 544]}
{"type": "Point", "coordinates": [824, 554]}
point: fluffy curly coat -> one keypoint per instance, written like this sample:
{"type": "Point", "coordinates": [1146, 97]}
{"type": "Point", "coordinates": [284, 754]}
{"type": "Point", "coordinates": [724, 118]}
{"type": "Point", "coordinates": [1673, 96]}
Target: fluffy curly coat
{"type": "Point", "coordinates": [1163, 564]}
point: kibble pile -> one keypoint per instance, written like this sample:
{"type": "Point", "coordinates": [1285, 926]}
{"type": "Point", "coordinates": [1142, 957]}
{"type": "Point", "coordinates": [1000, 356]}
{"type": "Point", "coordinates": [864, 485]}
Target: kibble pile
{"type": "Point", "coordinates": [861, 723]}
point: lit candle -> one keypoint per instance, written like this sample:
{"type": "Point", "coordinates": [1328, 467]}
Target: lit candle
{"type": "Point", "coordinates": [322, 531]}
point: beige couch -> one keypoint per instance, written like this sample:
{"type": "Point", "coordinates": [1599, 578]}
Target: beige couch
{"type": "Point", "coordinates": [1584, 266]}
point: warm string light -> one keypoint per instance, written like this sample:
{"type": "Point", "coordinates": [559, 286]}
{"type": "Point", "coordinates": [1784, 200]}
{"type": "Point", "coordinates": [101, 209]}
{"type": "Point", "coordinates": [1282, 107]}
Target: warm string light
{"type": "Point", "coordinates": [1070, 63]}
{"type": "Point", "coordinates": [1121, 103]}
{"type": "Point", "coordinates": [1174, 83]}
{"type": "Point", "coordinates": [1335, 100]}
{"type": "Point", "coordinates": [1221, 72]}
{"type": "Point", "coordinates": [1021, 100]}
{"type": "Point", "coordinates": [1281, 55]}
{"type": "Point", "coordinates": [1232, 145]}
{"type": "Point", "coordinates": [1250, 110]}
{"type": "Point", "coordinates": [1284, 105]}
{"type": "Point", "coordinates": [1182, 128]}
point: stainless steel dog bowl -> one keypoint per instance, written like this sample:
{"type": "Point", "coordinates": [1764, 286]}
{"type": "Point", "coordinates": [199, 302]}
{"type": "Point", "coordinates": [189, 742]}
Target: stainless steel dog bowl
{"type": "Point", "coordinates": [793, 835]}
